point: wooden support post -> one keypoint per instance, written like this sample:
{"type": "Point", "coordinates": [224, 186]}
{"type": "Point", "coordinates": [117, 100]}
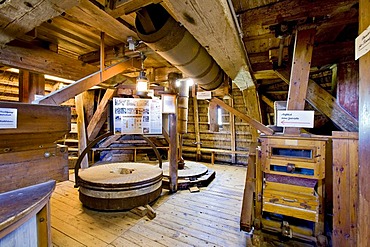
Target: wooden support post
{"type": "Point", "coordinates": [246, 218]}
{"type": "Point", "coordinates": [98, 119]}
{"type": "Point", "coordinates": [212, 158]}
{"type": "Point", "coordinates": [300, 72]}
{"type": "Point", "coordinates": [196, 128]}
{"type": "Point", "coordinates": [88, 101]}
{"type": "Point", "coordinates": [213, 116]}
{"type": "Point", "coordinates": [173, 170]}
{"type": "Point", "coordinates": [232, 131]}
{"type": "Point", "coordinates": [81, 131]}
{"type": "Point", "coordinates": [326, 103]}
{"type": "Point", "coordinates": [30, 84]}
{"type": "Point", "coordinates": [251, 102]}
{"type": "Point", "coordinates": [363, 233]}
{"type": "Point", "coordinates": [345, 194]}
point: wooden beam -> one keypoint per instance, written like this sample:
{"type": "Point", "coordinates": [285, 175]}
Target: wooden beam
{"type": "Point", "coordinates": [213, 116]}
{"type": "Point", "coordinates": [196, 127]}
{"type": "Point", "coordinates": [363, 233]}
{"type": "Point", "coordinates": [129, 6]}
{"type": "Point", "coordinates": [300, 72]}
{"type": "Point", "coordinates": [62, 95]}
{"type": "Point", "coordinates": [268, 102]}
{"type": "Point", "coordinates": [232, 131]}
{"type": "Point", "coordinates": [204, 20]}
{"type": "Point", "coordinates": [30, 84]}
{"type": "Point", "coordinates": [323, 54]}
{"type": "Point", "coordinates": [20, 17]}
{"type": "Point", "coordinates": [347, 86]}
{"type": "Point", "coordinates": [98, 120]}
{"type": "Point", "coordinates": [292, 10]}
{"type": "Point", "coordinates": [95, 17]}
{"type": "Point", "coordinates": [326, 104]}
{"type": "Point", "coordinates": [252, 105]}
{"type": "Point", "coordinates": [247, 118]}
{"type": "Point", "coordinates": [43, 61]}
{"type": "Point", "coordinates": [81, 130]}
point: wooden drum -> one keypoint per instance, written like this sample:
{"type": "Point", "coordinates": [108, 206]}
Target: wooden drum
{"type": "Point", "coordinates": [119, 186]}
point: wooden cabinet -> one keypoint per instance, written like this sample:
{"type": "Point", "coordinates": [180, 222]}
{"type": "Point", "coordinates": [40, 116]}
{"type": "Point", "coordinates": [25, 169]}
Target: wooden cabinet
{"type": "Point", "coordinates": [291, 183]}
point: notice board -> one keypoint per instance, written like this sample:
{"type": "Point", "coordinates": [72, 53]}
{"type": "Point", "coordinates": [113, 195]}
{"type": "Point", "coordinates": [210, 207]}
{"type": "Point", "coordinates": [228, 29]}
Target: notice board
{"type": "Point", "coordinates": [137, 116]}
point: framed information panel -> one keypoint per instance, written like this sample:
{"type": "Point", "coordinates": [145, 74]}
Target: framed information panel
{"type": "Point", "coordinates": [137, 116]}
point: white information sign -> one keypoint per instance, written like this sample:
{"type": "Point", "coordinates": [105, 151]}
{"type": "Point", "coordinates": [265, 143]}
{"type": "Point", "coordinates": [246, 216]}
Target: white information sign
{"type": "Point", "coordinates": [204, 95]}
{"type": "Point", "coordinates": [8, 118]}
{"type": "Point", "coordinates": [301, 119]}
{"type": "Point", "coordinates": [362, 43]}
{"type": "Point", "coordinates": [137, 116]}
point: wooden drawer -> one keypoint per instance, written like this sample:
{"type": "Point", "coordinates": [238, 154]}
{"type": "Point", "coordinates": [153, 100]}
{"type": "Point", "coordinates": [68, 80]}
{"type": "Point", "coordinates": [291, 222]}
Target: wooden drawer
{"type": "Point", "coordinates": [298, 157]}
{"type": "Point", "coordinates": [295, 201]}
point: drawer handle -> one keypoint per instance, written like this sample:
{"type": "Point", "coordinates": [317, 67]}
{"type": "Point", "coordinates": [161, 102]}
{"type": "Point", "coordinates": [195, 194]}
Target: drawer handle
{"type": "Point", "coordinates": [289, 200]}
{"type": "Point", "coordinates": [290, 167]}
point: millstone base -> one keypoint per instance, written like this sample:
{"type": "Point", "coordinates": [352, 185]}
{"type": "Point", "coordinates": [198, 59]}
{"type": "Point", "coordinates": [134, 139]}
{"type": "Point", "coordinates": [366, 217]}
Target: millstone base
{"type": "Point", "coordinates": [119, 186]}
{"type": "Point", "coordinates": [193, 174]}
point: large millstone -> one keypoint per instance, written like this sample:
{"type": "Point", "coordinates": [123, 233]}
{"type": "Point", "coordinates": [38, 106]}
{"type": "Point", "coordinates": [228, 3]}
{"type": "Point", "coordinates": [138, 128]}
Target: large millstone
{"type": "Point", "coordinates": [119, 186]}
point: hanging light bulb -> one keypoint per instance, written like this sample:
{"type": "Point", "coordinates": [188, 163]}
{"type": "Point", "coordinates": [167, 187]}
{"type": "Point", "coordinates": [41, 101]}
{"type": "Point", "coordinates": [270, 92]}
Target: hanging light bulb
{"type": "Point", "coordinates": [142, 80]}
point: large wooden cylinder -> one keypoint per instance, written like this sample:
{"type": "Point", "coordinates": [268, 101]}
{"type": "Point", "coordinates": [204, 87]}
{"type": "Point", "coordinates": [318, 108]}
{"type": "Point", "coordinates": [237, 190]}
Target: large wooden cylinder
{"type": "Point", "coordinates": [175, 44]}
{"type": "Point", "coordinates": [119, 186]}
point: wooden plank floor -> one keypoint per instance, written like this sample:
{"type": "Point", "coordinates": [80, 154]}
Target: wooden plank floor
{"type": "Point", "coordinates": [206, 218]}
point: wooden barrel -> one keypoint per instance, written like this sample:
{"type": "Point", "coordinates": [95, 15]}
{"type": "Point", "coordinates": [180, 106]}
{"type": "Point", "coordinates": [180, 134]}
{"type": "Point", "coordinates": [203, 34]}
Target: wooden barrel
{"type": "Point", "coordinates": [119, 186]}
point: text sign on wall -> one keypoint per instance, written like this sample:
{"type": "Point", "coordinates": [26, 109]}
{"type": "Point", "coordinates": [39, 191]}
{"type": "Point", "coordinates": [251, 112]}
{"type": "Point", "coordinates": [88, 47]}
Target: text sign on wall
{"type": "Point", "coordinates": [8, 118]}
{"type": "Point", "coordinates": [204, 95]}
{"type": "Point", "coordinates": [362, 43]}
{"type": "Point", "coordinates": [300, 119]}
{"type": "Point", "coordinates": [137, 116]}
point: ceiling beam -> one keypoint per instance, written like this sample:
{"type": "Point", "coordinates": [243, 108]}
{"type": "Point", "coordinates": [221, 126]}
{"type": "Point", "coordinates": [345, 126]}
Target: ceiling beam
{"type": "Point", "coordinates": [20, 17]}
{"type": "Point", "coordinates": [326, 103]}
{"type": "Point", "coordinates": [43, 61]}
{"type": "Point", "coordinates": [64, 94]}
{"type": "Point", "coordinates": [95, 17]}
{"type": "Point", "coordinates": [289, 10]}
{"type": "Point", "coordinates": [212, 24]}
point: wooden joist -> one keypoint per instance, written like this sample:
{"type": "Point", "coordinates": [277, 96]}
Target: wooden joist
{"type": "Point", "coordinates": [62, 95]}
{"type": "Point", "coordinates": [19, 17]}
{"type": "Point", "coordinates": [204, 20]}
{"type": "Point", "coordinates": [326, 103]}
{"type": "Point", "coordinates": [259, 126]}
{"type": "Point", "coordinates": [101, 20]}
{"type": "Point", "coordinates": [44, 62]}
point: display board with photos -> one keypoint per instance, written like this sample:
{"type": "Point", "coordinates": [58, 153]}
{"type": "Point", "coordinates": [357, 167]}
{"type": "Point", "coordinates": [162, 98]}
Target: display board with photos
{"type": "Point", "coordinates": [137, 116]}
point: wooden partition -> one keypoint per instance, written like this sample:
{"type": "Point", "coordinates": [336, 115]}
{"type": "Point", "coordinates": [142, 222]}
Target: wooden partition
{"type": "Point", "coordinates": [28, 153]}
{"type": "Point", "coordinates": [345, 188]}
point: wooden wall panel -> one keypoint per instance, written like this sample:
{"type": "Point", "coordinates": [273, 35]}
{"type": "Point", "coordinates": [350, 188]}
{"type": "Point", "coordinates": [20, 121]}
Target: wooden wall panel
{"type": "Point", "coordinates": [364, 133]}
{"type": "Point", "coordinates": [345, 188]}
{"type": "Point", "coordinates": [28, 153]}
{"type": "Point", "coordinates": [347, 86]}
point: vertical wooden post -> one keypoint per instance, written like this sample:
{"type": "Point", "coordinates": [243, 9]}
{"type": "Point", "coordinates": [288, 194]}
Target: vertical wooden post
{"type": "Point", "coordinates": [300, 72]}
{"type": "Point", "coordinates": [345, 194]}
{"type": "Point", "coordinates": [81, 130]}
{"type": "Point", "coordinates": [173, 169]}
{"type": "Point", "coordinates": [251, 102]}
{"type": "Point", "coordinates": [196, 127]}
{"type": "Point", "coordinates": [347, 86]}
{"type": "Point", "coordinates": [232, 131]}
{"type": "Point", "coordinates": [363, 233]}
{"type": "Point", "coordinates": [213, 116]}
{"type": "Point", "coordinates": [30, 84]}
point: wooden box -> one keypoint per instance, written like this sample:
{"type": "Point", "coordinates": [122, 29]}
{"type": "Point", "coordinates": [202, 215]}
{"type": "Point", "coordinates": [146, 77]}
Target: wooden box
{"type": "Point", "coordinates": [297, 157]}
